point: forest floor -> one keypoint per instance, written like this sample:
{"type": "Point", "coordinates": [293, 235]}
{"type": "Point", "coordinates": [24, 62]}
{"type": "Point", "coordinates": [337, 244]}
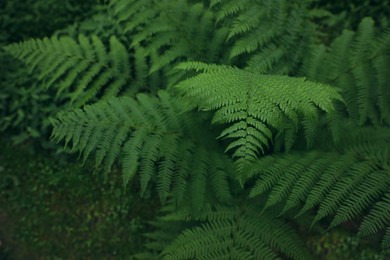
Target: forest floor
{"type": "Point", "coordinates": [51, 207]}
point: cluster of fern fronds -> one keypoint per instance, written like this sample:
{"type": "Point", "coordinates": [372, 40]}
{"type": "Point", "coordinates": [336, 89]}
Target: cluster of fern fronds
{"type": "Point", "coordinates": [238, 114]}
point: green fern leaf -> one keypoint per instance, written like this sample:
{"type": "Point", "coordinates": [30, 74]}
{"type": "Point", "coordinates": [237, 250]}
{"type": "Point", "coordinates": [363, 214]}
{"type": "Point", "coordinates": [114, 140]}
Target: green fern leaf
{"type": "Point", "coordinates": [81, 69]}
{"type": "Point", "coordinates": [342, 189]}
{"type": "Point", "coordinates": [235, 232]}
{"type": "Point", "coordinates": [342, 186]}
{"type": "Point", "coordinates": [357, 63]}
{"type": "Point", "coordinates": [363, 195]}
{"type": "Point", "coordinates": [377, 219]}
{"type": "Point", "coordinates": [334, 173]}
{"type": "Point", "coordinates": [148, 133]}
{"type": "Point", "coordinates": [257, 27]}
{"type": "Point", "coordinates": [253, 104]}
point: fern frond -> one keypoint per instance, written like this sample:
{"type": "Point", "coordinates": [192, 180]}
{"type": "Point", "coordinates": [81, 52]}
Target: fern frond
{"type": "Point", "coordinates": [83, 68]}
{"type": "Point", "coordinates": [327, 180]}
{"type": "Point", "coordinates": [224, 232]}
{"type": "Point", "coordinates": [343, 186]}
{"type": "Point", "coordinates": [155, 138]}
{"type": "Point", "coordinates": [167, 32]}
{"type": "Point", "coordinates": [358, 178]}
{"type": "Point", "coordinates": [264, 31]}
{"type": "Point", "coordinates": [377, 219]}
{"type": "Point", "coordinates": [132, 14]}
{"type": "Point", "coordinates": [253, 105]}
{"type": "Point", "coordinates": [228, 8]}
{"type": "Point", "coordinates": [357, 63]}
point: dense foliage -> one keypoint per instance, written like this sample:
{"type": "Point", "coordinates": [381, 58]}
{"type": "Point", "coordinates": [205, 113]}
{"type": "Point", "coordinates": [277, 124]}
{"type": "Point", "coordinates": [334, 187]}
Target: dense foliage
{"type": "Point", "coordinates": [250, 120]}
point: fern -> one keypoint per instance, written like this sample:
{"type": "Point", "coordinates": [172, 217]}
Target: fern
{"type": "Point", "coordinates": [357, 63]}
{"type": "Point", "coordinates": [153, 137]}
{"type": "Point", "coordinates": [82, 69]}
{"type": "Point", "coordinates": [340, 185]}
{"type": "Point", "coordinates": [256, 111]}
{"type": "Point", "coordinates": [226, 232]}
{"type": "Point", "coordinates": [132, 14]}
{"type": "Point", "coordinates": [166, 31]}
{"type": "Point", "coordinates": [253, 105]}
{"type": "Point", "coordinates": [377, 219]}
{"type": "Point", "coordinates": [265, 31]}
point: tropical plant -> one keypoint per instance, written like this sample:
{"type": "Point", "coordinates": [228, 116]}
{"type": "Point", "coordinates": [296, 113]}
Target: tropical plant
{"type": "Point", "coordinates": [239, 115]}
